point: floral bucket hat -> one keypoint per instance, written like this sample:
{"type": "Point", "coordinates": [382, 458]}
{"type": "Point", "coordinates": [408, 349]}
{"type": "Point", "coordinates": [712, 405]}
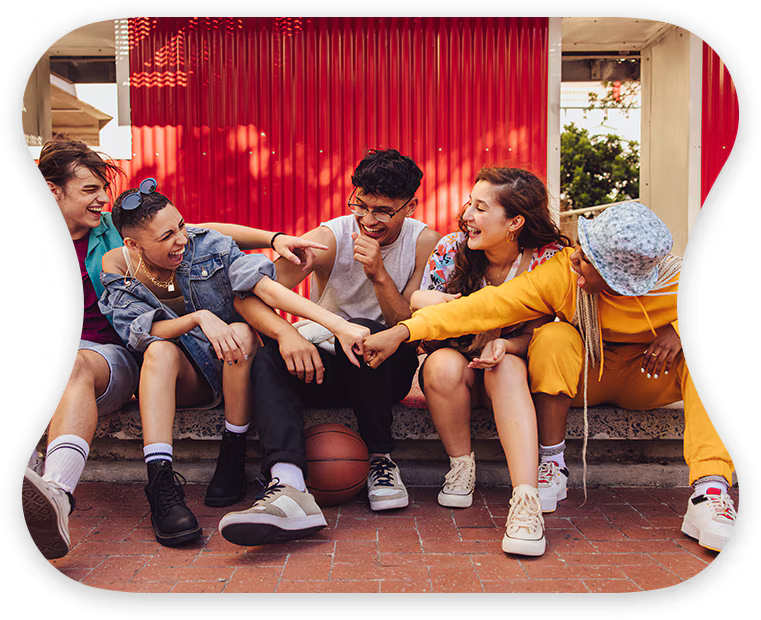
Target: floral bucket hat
{"type": "Point", "coordinates": [625, 243]}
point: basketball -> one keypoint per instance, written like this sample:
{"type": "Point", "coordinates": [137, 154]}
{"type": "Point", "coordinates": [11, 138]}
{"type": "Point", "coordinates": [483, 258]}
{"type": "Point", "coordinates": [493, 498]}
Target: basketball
{"type": "Point", "coordinates": [337, 463]}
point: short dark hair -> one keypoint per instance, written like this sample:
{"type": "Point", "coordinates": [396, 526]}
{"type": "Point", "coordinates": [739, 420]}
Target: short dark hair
{"type": "Point", "coordinates": [387, 173]}
{"type": "Point", "coordinates": [142, 216]}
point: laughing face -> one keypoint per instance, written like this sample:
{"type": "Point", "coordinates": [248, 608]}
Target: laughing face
{"type": "Point", "coordinates": [488, 226]}
{"type": "Point", "coordinates": [382, 232]}
{"type": "Point", "coordinates": [589, 279]}
{"type": "Point", "coordinates": [161, 241]}
{"type": "Point", "coordinates": [81, 200]}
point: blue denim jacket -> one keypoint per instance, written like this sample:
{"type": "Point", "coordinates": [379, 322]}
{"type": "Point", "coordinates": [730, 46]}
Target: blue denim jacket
{"type": "Point", "coordinates": [212, 272]}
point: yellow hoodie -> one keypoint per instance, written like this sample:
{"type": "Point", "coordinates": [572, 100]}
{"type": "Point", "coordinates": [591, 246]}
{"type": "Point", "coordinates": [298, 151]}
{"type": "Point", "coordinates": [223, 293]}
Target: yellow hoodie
{"type": "Point", "coordinates": [548, 290]}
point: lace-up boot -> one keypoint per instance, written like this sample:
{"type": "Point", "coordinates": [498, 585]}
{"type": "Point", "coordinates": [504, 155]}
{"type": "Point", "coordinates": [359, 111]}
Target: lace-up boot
{"type": "Point", "coordinates": [524, 530]}
{"type": "Point", "coordinates": [280, 513]}
{"type": "Point", "coordinates": [228, 485]}
{"type": "Point", "coordinates": [710, 518]}
{"type": "Point", "coordinates": [385, 488]}
{"type": "Point", "coordinates": [47, 506]}
{"type": "Point", "coordinates": [460, 482]}
{"type": "Point", "coordinates": [173, 522]}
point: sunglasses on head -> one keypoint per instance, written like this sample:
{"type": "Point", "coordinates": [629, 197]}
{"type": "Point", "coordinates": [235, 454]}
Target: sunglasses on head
{"type": "Point", "coordinates": [135, 199]}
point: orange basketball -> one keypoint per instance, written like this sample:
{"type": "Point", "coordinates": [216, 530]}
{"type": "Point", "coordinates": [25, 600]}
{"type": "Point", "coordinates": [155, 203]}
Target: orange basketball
{"type": "Point", "coordinates": [337, 463]}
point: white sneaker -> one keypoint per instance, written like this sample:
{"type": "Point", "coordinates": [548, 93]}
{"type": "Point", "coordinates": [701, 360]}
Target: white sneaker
{"type": "Point", "coordinates": [524, 530]}
{"type": "Point", "coordinates": [385, 488]}
{"type": "Point", "coordinates": [553, 485]}
{"type": "Point", "coordinates": [46, 511]}
{"type": "Point", "coordinates": [710, 519]}
{"type": "Point", "coordinates": [459, 483]}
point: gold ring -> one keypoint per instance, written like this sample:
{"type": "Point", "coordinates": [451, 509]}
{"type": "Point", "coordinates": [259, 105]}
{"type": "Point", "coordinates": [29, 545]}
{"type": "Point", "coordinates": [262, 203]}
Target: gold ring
{"type": "Point", "coordinates": [653, 355]}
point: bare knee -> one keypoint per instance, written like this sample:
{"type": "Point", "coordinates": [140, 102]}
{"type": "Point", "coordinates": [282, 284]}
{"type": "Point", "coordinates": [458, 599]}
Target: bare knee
{"type": "Point", "coordinates": [444, 370]}
{"type": "Point", "coordinates": [247, 336]}
{"type": "Point", "coordinates": [162, 355]}
{"type": "Point", "coordinates": [510, 371]}
{"type": "Point", "coordinates": [89, 368]}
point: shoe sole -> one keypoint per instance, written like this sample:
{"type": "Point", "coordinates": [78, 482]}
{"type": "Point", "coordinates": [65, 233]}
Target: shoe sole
{"type": "Point", "coordinates": [43, 521]}
{"type": "Point", "coordinates": [389, 504]}
{"type": "Point", "coordinates": [449, 500]}
{"type": "Point", "coordinates": [172, 540]}
{"type": "Point", "coordinates": [221, 502]}
{"type": "Point", "coordinates": [550, 504]}
{"type": "Point", "coordinates": [268, 529]}
{"type": "Point", "coordinates": [710, 541]}
{"type": "Point", "coordinates": [523, 547]}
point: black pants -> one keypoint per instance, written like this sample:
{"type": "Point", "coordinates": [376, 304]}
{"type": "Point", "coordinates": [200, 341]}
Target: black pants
{"type": "Point", "coordinates": [279, 398]}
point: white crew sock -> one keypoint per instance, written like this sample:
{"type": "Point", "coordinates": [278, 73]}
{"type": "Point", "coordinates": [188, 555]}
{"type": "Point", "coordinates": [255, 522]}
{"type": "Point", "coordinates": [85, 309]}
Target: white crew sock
{"type": "Point", "coordinates": [553, 453]}
{"type": "Point", "coordinates": [289, 474]}
{"type": "Point", "coordinates": [65, 460]}
{"type": "Point", "coordinates": [157, 452]}
{"type": "Point", "coordinates": [238, 430]}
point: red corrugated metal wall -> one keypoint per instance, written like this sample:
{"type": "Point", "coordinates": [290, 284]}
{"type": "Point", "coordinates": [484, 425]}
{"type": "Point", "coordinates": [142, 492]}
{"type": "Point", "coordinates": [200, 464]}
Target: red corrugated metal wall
{"type": "Point", "coordinates": [720, 119]}
{"type": "Point", "coordinates": [261, 121]}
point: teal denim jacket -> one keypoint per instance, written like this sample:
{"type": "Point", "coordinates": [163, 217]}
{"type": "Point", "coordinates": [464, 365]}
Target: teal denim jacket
{"type": "Point", "coordinates": [39, 279]}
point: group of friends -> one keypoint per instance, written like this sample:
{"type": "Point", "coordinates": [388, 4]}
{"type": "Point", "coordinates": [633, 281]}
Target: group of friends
{"type": "Point", "coordinates": [511, 315]}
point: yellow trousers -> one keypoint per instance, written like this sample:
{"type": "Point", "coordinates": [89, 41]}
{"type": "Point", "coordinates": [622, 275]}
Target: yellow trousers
{"type": "Point", "coordinates": [555, 364]}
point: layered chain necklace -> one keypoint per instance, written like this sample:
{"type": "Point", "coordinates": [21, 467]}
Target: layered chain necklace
{"type": "Point", "coordinates": [168, 284]}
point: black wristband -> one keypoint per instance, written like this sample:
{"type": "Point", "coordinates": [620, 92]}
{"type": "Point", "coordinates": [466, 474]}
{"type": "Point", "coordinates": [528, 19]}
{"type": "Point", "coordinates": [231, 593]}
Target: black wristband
{"type": "Point", "coordinates": [272, 241]}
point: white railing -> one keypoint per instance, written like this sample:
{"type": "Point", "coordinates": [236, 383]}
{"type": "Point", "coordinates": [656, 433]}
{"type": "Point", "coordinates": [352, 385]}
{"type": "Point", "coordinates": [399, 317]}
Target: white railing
{"type": "Point", "coordinates": [573, 212]}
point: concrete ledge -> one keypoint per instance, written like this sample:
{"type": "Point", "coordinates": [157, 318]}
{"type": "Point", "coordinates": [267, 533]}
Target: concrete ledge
{"type": "Point", "coordinates": [413, 421]}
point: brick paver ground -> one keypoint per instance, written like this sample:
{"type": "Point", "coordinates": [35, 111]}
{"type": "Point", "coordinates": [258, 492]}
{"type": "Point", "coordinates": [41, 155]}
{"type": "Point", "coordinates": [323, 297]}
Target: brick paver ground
{"type": "Point", "coordinates": [622, 540]}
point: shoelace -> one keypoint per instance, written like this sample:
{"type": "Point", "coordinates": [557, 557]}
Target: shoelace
{"type": "Point", "coordinates": [525, 511]}
{"type": "Point", "coordinates": [381, 470]}
{"type": "Point", "coordinates": [547, 471]}
{"type": "Point", "coordinates": [722, 506]}
{"type": "Point", "coordinates": [269, 490]}
{"type": "Point", "coordinates": [459, 475]}
{"type": "Point", "coordinates": [168, 484]}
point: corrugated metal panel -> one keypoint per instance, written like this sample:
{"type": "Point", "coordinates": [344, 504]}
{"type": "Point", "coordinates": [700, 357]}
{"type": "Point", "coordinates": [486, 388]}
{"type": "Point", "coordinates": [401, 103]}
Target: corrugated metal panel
{"type": "Point", "coordinates": [720, 118]}
{"type": "Point", "coordinates": [261, 121]}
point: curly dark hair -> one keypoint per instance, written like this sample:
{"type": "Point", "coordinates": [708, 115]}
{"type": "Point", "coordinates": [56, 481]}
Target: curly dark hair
{"type": "Point", "coordinates": [142, 216]}
{"type": "Point", "coordinates": [520, 192]}
{"type": "Point", "coordinates": [387, 173]}
{"type": "Point", "coordinates": [59, 159]}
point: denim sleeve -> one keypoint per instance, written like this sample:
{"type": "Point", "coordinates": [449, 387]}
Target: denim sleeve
{"type": "Point", "coordinates": [247, 269]}
{"type": "Point", "coordinates": [131, 317]}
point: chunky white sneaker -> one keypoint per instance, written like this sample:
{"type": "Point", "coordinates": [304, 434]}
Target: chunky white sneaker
{"type": "Point", "coordinates": [279, 514]}
{"type": "Point", "coordinates": [46, 510]}
{"type": "Point", "coordinates": [710, 518]}
{"type": "Point", "coordinates": [553, 485]}
{"type": "Point", "coordinates": [385, 488]}
{"type": "Point", "coordinates": [460, 482]}
{"type": "Point", "coordinates": [524, 530]}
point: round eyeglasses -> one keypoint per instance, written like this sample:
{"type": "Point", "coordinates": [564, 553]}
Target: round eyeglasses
{"type": "Point", "coordinates": [382, 216]}
{"type": "Point", "coordinates": [135, 199]}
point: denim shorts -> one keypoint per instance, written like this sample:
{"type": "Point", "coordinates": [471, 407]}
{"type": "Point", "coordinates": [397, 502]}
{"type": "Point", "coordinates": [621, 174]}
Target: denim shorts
{"type": "Point", "coordinates": [123, 375]}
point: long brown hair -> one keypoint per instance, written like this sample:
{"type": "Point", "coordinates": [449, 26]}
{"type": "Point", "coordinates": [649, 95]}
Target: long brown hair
{"type": "Point", "coordinates": [520, 192]}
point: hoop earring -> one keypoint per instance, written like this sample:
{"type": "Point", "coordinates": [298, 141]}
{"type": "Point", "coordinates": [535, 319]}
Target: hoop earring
{"type": "Point", "coordinates": [511, 237]}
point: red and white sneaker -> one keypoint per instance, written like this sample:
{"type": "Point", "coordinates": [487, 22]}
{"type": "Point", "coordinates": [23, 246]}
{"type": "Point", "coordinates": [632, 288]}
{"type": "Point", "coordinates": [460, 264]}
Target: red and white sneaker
{"type": "Point", "coordinates": [710, 518]}
{"type": "Point", "coordinates": [553, 484]}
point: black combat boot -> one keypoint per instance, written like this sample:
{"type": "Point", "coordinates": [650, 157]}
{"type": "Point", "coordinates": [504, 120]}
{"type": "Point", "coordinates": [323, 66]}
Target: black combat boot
{"type": "Point", "coordinates": [228, 485]}
{"type": "Point", "coordinates": [173, 522]}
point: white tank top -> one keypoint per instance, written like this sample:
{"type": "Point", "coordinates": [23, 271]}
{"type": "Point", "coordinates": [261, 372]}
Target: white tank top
{"type": "Point", "coordinates": [348, 293]}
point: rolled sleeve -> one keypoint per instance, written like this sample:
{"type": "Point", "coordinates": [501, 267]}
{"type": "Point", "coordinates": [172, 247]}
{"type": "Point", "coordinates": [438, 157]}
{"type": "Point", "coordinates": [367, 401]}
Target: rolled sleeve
{"type": "Point", "coordinates": [247, 269]}
{"type": "Point", "coordinates": [139, 336]}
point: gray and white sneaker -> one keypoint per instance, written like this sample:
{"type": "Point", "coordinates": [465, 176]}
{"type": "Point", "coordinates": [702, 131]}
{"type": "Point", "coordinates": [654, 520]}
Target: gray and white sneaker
{"type": "Point", "coordinates": [46, 510]}
{"type": "Point", "coordinates": [459, 483]}
{"type": "Point", "coordinates": [279, 514]}
{"type": "Point", "coordinates": [385, 488]}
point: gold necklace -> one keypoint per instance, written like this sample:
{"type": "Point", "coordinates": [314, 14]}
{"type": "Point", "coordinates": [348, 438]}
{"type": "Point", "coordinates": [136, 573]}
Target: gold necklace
{"type": "Point", "coordinates": [168, 285]}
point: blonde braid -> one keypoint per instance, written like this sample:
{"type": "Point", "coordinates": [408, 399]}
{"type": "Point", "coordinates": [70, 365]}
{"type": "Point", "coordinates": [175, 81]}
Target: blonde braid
{"type": "Point", "coordinates": [586, 320]}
